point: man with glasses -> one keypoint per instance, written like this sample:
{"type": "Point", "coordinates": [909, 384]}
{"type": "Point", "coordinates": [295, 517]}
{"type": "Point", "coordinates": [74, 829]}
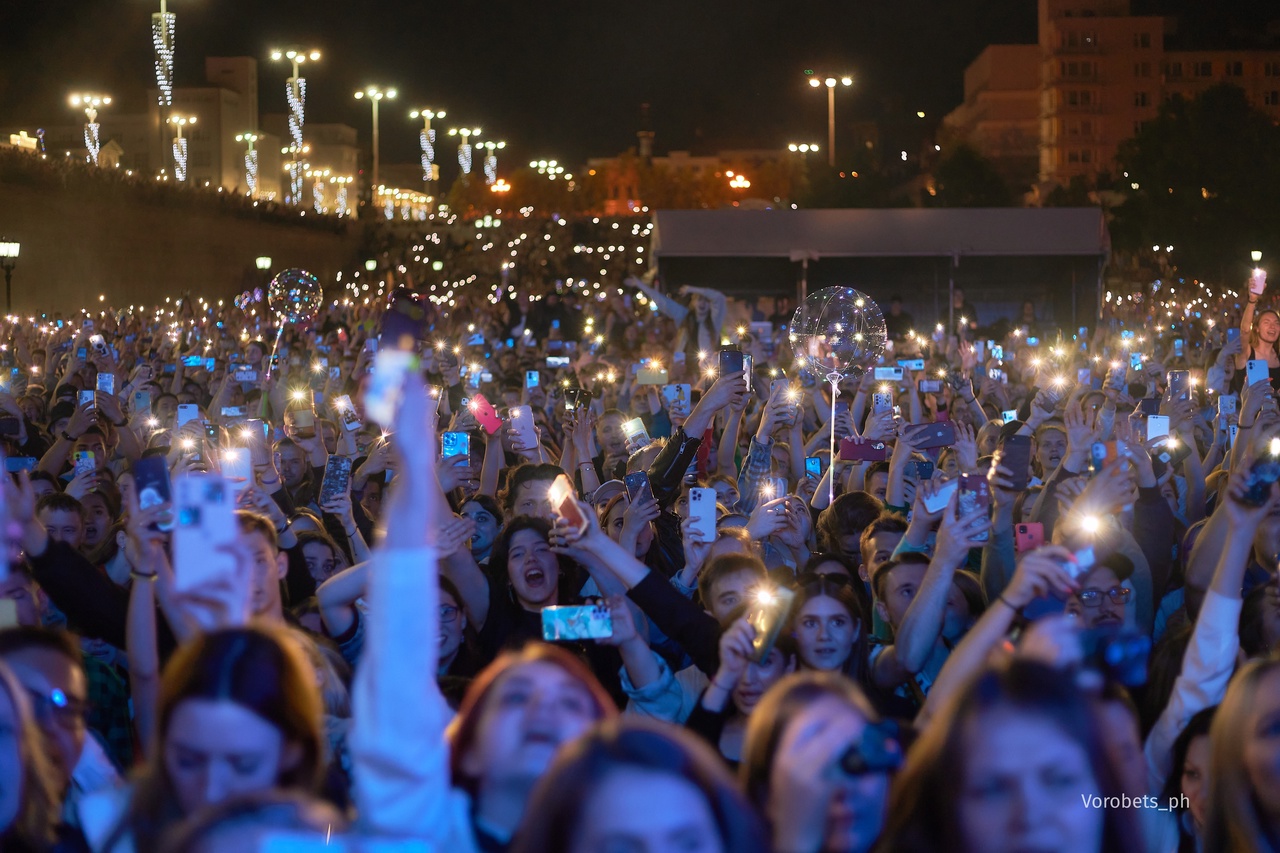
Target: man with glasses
{"type": "Point", "coordinates": [1103, 598]}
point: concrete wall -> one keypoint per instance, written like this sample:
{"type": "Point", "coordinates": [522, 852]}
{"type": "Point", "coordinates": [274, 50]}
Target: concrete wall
{"type": "Point", "coordinates": [138, 252]}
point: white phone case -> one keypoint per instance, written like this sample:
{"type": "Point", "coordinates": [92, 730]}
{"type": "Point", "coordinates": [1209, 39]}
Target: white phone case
{"type": "Point", "coordinates": [702, 512]}
{"type": "Point", "coordinates": [204, 515]}
{"type": "Point", "coordinates": [941, 497]}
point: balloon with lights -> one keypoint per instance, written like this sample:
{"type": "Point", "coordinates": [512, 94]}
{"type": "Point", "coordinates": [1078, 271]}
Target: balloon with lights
{"type": "Point", "coordinates": [295, 296]}
{"type": "Point", "coordinates": [837, 332]}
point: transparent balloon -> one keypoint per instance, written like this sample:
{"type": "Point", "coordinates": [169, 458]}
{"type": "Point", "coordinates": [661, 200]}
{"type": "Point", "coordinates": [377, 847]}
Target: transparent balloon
{"type": "Point", "coordinates": [838, 331]}
{"type": "Point", "coordinates": [295, 295]}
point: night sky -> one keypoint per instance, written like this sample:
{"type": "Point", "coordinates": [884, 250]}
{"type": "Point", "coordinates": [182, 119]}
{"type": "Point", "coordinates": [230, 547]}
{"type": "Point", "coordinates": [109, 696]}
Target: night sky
{"type": "Point", "coordinates": [561, 79]}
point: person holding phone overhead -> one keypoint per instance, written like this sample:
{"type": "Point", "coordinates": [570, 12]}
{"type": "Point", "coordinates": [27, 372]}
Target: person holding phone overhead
{"type": "Point", "coordinates": [1261, 331]}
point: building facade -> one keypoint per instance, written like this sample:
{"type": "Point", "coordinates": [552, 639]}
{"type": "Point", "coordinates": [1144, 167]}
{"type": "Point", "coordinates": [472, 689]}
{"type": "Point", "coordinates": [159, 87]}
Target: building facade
{"type": "Point", "coordinates": [1099, 74]}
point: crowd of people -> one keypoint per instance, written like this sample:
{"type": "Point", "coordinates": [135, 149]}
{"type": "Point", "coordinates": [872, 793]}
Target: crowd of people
{"type": "Point", "coordinates": [576, 570]}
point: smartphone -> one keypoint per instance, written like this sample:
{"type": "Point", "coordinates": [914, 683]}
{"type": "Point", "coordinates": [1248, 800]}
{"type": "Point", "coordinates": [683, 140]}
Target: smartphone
{"type": "Point", "coordinates": [1232, 429]}
{"type": "Point", "coordinates": [677, 399]}
{"type": "Point", "coordinates": [888, 374]}
{"type": "Point", "coordinates": [1033, 341]}
{"type": "Point", "coordinates": [1028, 537]}
{"type": "Point", "coordinates": [87, 397]}
{"type": "Point", "coordinates": [914, 364]}
{"type": "Point", "coordinates": [730, 362]}
{"type": "Point", "coordinates": [702, 512]}
{"type": "Point", "coordinates": [14, 464]}
{"type": "Point", "coordinates": [1180, 384]}
{"type": "Point", "coordinates": [521, 419]}
{"type": "Point", "coordinates": [918, 470]}
{"type": "Point", "coordinates": [929, 386]}
{"type": "Point", "coordinates": [204, 530]}
{"type": "Point", "coordinates": [188, 412]}
{"type": "Point", "coordinates": [1009, 415]}
{"type": "Point", "coordinates": [1171, 451]}
{"type": "Point", "coordinates": [232, 412]}
{"type": "Point", "coordinates": [192, 360]}
{"type": "Point", "coordinates": [565, 505]}
{"type": "Point", "coordinates": [107, 383]}
{"type": "Point", "coordinates": [99, 345]}
{"type": "Point", "coordinates": [557, 361]}
{"type": "Point", "coordinates": [151, 479]}
{"type": "Point", "coordinates": [485, 414]}
{"type": "Point", "coordinates": [1256, 370]}
{"type": "Point", "coordinates": [1149, 406]}
{"type": "Point", "coordinates": [82, 353]}
{"type": "Point", "coordinates": [302, 421]}
{"type": "Point", "coordinates": [813, 467]}
{"type": "Point", "coordinates": [454, 443]}
{"type": "Point", "coordinates": [931, 435]}
{"type": "Point", "coordinates": [1157, 426]}
{"type": "Point", "coordinates": [1227, 406]}
{"type": "Point", "coordinates": [868, 451]}
{"type": "Point", "coordinates": [974, 495]}
{"type": "Point", "coordinates": [636, 434]}
{"type": "Point", "coordinates": [576, 622]}
{"type": "Point", "coordinates": [998, 375]}
{"type": "Point", "coordinates": [1084, 376]}
{"type": "Point", "coordinates": [768, 613]}
{"type": "Point", "coordinates": [531, 378]}
{"type": "Point", "coordinates": [237, 468]}
{"type": "Point", "coordinates": [244, 373]}
{"type": "Point", "coordinates": [347, 411]}
{"type": "Point", "coordinates": [1233, 334]}
{"type": "Point", "coordinates": [84, 462]}
{"type": "Point", "coordinates": [337, 478]}
{"type": "Point", "coordinates": [386, 383]}
{"type": "Point", "coordinates": [638, 486]}
{"type": "Point", "coordinates": [881, 402]}
{"type": "Point", "coordinates": [1135, 361]}
{"type": "Point", "coordinates": [997, 352]}
{"type": "Point", "coordinates": [1264, 471]}
{"type": "Point", "coordinates": [1015, 454]}
{"type": "Point", "coordinates": [941, 496]}
{"type": "Point", "coordinates": [1178, 345]}
{"type": "Point", "coordinates": [652, 376]}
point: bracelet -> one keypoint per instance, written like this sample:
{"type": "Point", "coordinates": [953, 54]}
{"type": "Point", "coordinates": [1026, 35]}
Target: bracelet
{"type": "Point", "coordinates": [350, 533]}
{"type": "Point", "coordinates": [1007, 603]}
{"type": "Point", "coordinates": [282, 528]}
{"type": "Point", "coordinates": [142, 576]}
{"type": "Point", "coordinates": [720, 686]}
{"type": "Point", "coordinates": [587, 464]}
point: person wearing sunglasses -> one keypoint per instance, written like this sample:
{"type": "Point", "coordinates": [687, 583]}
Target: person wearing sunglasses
{"type": "Point", "coordinates": [1103, 598]}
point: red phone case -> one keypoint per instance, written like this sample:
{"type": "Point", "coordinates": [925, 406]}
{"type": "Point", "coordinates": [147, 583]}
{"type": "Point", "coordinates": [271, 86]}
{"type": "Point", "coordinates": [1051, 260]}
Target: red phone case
{"type": "Point", "coordinates": [485, 414]}
{"type": "Point", "coordinates": [1028, 537]}
{"type": "Point", "coordinates": [870, 451]}
{"type": "Point", "coordinates": [932, 435]}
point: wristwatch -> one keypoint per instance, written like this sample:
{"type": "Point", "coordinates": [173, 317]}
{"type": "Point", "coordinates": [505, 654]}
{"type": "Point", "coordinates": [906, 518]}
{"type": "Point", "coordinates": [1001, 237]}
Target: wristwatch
{"type": "Point", "coordinates": [68, 436]}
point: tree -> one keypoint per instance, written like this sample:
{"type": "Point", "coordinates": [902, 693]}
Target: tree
{"type": "Point", "coordinates": [1203, 177]}
{"type": "Point", "coordinates": [964, 178]}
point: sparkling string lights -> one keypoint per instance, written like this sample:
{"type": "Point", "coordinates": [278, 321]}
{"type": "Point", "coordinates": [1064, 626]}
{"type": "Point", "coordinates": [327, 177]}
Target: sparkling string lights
{"type": "Point", "coordinates": [491, 161]}
{"type": "Point", "coordinates": [163, 26]}
{"type": "Point", "coordinates": [295, 89]}
{"type": "Point", "coordinates": [464, 147]}
{"type": "Point", "coordinates": [250, 162]}
{"type": "Point", "coordinates": [180, 145]}
{"type": "Point", "coordinates": [427, 139]}
{"type": "Point", "coordinates": [90, 103]}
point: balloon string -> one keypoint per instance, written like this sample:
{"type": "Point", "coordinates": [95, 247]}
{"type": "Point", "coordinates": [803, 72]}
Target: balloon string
{"type": "Point", "coordinates": [270, 365]}
{"type": "Point", "coordinates": [834, 378]}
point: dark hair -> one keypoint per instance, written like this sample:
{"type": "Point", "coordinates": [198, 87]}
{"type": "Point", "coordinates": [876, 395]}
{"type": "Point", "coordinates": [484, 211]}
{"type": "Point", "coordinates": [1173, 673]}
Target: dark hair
{"type": "Point", "coordinates": [1197, 726]}
{"type": "Point", "coordinates": [555, 810]}
{"type": "Point", "coordinates": [718, 568]}
{"type": "Point", "coordinates": [21, 638]}
{"type": "Point", "coordinates": [848, 516]}
{"type": "Point", "coordinates": [924, 808]}
{"type": "Point", "coordinates": [465, 727]}
{"type": "Point", "coordinates": [260, 668]}
{"type": "Point", "coordinates": [908, 558]}
{"type": "Point", "coordinates": [34, 825]}
{"type": "Point", "coordinates": [59, 502]}
{"type": "Point", "coordinates": [489, 504]}
{"type": "Point", "coordinates": [527, 472]}
{"type": "Point", "coordinates": [886, 522]}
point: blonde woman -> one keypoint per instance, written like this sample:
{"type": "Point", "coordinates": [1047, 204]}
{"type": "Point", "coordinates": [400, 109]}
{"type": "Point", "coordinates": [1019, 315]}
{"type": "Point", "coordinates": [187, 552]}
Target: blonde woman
{"type": "Point", "coordinates": [1244, 763]}
{"type": "Point", "coordinates": [28, 798]}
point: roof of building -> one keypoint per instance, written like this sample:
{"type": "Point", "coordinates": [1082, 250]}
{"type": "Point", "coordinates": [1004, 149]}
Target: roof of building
{"type": "Point", "coordinates": [904, 232]}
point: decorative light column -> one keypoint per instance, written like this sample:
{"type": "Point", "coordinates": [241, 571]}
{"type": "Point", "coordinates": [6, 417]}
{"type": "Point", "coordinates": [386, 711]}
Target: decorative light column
{"type": "Point", "coordinates": [90, 103]}
{"type": "Point", "coordinates": [464, 147]}
{"type": "Point", "coordinates": [491, 160]}
{"type": "Point", "coordinates": [180, 145]}
{"type": "Point", "coordinates": [250, 162]}
{"type": "Point", "coordinates": [427, 139]}
{"type": "Point", "coordinates": [8, 260]}
{"type": "Point", "coordinates": [295, 90]}
{"type": "Point", "coordinates": [319, 178]}
{"type": "Point", "coordinates": [163, 25]}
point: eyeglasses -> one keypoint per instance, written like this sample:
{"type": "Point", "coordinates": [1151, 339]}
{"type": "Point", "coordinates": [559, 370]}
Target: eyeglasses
{"type": "Point", "coordinates": [1093, 597]}
{"type": "Point", "coordinates": [448, 613]}
{"type": "Point", "coordinates": [57, 706]}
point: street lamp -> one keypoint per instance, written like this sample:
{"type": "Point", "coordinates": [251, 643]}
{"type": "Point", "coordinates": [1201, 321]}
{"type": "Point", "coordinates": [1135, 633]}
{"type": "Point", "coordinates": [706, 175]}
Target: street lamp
{"type": "Point", "coordinates": [180, 145]}
{"type": "Point", "coordinates": [8, 260]}
{"type": "Point", "coordinates": [491, 161]}
{"type": "Point", "coordinates": [319, 177]}
{"type": "Point", "coordinates": [1256, 255]}
{"type": "Point", "coordinates": [818, 82]}
{"type": "Point", "coordinates": [295, 90]}
{"type": "Point", "coordinates": [250, 162]}
{"type": "Point", "coordinates": [464, 147]}
{"type": "Point", "coordinates": [370, 265]}
{"type": "Point", "coordinates": [500, 187]}
{"type": "Point", "coordinates": [263, 262]}
{"type": "Point", "coordinates": [375, 95]}
{"type": "Point", "coordinates": [549, 168]}
{"type": "Point", "coordinates": [427, 139]}
{"type": "Point", "coordinates": [90, 103]}
{"type": "Point", "coordinates": [803, 148]}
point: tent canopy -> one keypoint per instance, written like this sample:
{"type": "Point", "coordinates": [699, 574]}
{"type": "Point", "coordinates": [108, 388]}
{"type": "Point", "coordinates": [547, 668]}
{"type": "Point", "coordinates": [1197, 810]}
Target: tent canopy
{"type": "Point", "coordinates": [870, 233]}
